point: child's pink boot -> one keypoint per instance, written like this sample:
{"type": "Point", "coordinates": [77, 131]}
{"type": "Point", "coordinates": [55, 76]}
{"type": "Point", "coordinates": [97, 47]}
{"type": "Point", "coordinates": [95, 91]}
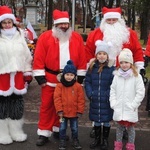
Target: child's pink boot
{"type": "Point", "coordinates": [130, 146]}
{"type": "Point", "coordinates": [118, 145]}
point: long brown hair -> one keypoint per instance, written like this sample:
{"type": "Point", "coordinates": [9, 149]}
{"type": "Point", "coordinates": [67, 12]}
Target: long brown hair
{"type": "Point", "coordinates": [101, 65]}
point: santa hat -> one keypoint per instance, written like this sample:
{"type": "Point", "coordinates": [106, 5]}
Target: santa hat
{"type": "Point", "coordinates": [70, 68]}
{"type": "Point", "coordinates": [126, 55]}
{"type": "Point", "coordinates": [111, 12]}
{"type": "Point", "coordinates": [102, 46]}
{"type": "Point", "coordinates": [60, 16]}
{"type": "Point", "coordinates": [6, 13]}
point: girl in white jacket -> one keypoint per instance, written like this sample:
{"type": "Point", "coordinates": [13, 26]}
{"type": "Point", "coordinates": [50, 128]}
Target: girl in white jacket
{"type": "Point", "coordinates": [126, 95]}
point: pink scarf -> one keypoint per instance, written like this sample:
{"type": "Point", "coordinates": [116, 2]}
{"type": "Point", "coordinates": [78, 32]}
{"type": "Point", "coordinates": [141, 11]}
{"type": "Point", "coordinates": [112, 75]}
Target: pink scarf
{"type": "Point", "coordinates": [125, 74]}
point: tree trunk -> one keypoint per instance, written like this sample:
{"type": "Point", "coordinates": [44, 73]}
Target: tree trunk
{"type": "Point", "coordinates": [110, 3]}
{"type": "Point", "coordinates": [83, 11]}
{"type": "Point", "coordinates": [118, 2]}
{"type": "Point", "coordinates": [133, 18]}
{"type": "Point", "coordinates": [90, 13]}
{"type": "Point", "coordinates": [46, 13]}
{"type": "Point", "coordinates": [129, 15]}
{"type": "Point", "coordinates": [50, 9]}
{"type": "Point", "coordinates": [144, 26]}
{"type": "Point", "coordinates": [70, 8]}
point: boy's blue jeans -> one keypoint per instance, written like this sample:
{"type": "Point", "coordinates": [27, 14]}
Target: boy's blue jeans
{"type": "Point", "coordinates": [73, 126]}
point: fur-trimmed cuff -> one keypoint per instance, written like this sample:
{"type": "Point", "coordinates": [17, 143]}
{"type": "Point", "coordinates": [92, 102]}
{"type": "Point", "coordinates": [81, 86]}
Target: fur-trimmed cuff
{"type": "Point", "coordinates": [28, 73]}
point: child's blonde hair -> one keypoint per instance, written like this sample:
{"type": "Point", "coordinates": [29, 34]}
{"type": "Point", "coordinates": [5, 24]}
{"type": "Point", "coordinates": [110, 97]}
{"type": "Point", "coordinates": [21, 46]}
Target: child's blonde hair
{"type": "Point", "coordinates": [134, 69]}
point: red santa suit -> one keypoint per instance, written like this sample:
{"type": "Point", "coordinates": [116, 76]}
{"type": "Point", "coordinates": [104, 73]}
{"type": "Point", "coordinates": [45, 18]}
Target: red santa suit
{"type": "Point", "coordinates": [50, 57]}
{"type": "Point", "coordinates": [132, 44]}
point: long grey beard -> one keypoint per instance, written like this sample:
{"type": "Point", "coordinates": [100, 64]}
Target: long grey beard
{"type": "Point", "coordinates": [61, 35]}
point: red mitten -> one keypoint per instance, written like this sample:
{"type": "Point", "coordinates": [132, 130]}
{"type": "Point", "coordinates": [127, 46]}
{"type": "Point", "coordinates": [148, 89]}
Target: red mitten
{"type": "Point", "coordinates": [28, 79]}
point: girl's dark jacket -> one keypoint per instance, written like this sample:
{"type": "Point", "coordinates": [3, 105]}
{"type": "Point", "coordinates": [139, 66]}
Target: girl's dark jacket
{"type": "Point", "coordinates": [97, 87]}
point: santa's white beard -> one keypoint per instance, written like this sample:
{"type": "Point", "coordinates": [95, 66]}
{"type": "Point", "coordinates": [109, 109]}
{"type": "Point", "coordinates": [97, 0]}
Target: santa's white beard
{"type": "Point", "coordinates": [117, 34]}
{"type": "Point", "coordinates": [62, 35]}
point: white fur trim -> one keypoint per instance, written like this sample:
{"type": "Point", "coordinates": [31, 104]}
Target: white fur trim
{"type": "Point", "coordinates": [4, 132]}
{"type": "Point", "coordinates": [46, 133]}
{"type": "Point", "coordinates": [8, 16]}
{"type": "Point", "coordinates": [112, 15]}
{"type": "Point", "coordinates": [55, 129]}
{"type": "Point", "coordinates": [81, 72]}
{"type": "Point", "coordinates": [51, 84]}
{"type": "Point", "coordinates": [29, 73]}
{"type": "Point", "coordinates": [16, 130]}
{"type": "Point", "coordinates": [39, 72]}
{"type": "Point", "coordinates": [6, 93]}
{"type": "Point", "coordinates": [139, 65]}
{"type": "Point", "coordinates": [12, 87]}
{"type": "Point", "coordinates": [20, 92]}
{"type": "Point", "coordinates": [61, 20]}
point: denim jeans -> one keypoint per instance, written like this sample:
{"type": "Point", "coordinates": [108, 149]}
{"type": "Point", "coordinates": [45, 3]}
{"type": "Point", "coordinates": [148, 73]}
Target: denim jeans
{"type": "Point", "coordinates": [106, 124]}
{"type": "Point", "coordinates": [73, 126]}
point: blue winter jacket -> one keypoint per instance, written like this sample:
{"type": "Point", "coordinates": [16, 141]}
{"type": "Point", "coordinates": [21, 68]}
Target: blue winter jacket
{"type": "Point", "coordinates": [97, 87]}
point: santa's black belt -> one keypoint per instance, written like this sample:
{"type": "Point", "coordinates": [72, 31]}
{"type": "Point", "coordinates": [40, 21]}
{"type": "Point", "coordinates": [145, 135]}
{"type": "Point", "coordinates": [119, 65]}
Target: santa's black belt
{"type": "Point", "coordinates": [52, 71]}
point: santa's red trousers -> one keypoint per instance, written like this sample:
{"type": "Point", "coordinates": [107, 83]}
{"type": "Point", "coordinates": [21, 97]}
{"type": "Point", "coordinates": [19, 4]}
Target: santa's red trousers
{"type": "Point", "coordinates": [48, 116]}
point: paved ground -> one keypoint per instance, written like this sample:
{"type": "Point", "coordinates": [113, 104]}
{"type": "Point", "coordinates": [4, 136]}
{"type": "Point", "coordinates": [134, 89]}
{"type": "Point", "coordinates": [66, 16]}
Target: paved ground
{"type": "Point", "coordinates": [141, 140]}
{"type": "Point", "coordinates": [32, 103]}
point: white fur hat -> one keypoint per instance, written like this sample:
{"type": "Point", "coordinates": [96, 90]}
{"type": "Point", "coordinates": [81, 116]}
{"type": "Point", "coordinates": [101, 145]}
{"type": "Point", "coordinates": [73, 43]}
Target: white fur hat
{"type": "Point", "coordinates": [102, 46]}
{"type": "Point", "coordinates": [126, 55]}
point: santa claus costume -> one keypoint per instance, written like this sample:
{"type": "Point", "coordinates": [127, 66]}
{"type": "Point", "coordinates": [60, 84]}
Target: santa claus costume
{"type": "Point", "coordinates": [15, 69]}
{"type": "Point", "coordinates": [54, 48]}
{"type": "Point", "coordinates": [118, 34]}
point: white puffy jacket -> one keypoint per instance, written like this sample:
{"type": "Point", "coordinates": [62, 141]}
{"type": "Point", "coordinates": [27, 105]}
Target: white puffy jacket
{"type": "Point", "coordinates": [126, 96]}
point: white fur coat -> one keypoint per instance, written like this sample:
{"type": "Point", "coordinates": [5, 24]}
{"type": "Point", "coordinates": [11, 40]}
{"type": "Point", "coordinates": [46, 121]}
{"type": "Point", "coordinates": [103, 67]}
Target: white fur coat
{"type": "Point", "coordinates": [14, 54]}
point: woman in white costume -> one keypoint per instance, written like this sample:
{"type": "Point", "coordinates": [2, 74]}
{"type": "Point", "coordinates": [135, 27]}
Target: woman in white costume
{"type": "Point", "coordinates": [15, 71]}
